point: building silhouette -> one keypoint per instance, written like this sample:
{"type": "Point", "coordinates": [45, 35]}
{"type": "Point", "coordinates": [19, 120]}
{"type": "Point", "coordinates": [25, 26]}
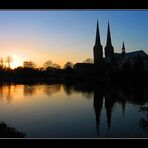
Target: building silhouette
{"type": "Point", "coordinates": [105, 66]}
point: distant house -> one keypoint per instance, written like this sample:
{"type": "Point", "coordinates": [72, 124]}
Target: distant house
{"type": "Point", "coordinates": [84, 68]}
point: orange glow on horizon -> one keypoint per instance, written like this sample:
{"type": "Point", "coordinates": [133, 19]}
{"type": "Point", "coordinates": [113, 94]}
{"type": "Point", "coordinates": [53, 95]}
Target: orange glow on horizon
{"type": "Point", "coordinates": [16, 61]}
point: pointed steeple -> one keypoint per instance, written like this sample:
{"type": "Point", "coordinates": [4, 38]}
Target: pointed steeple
{"type": "Point", "coordinates": [109, 49]}
{"type": "Point", "coordinates": [108, 42]}
{"type": "Point", "coordinates": [98, 49]}
{"type": "Point", "coordinates": [123, 48]}
{"type": "Point", "coordinates": [97, 35]}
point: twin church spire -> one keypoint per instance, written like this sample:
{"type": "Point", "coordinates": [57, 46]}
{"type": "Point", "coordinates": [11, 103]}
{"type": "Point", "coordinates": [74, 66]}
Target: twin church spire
{"type": "Point", "coordinates": [108, 41]}
{"type": "Point", "coordinates": [98, 49]}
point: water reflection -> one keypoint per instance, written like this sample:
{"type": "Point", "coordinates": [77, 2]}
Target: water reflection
{"type": "Point", "coordinates": [98, 104]}
{"type": "Point", "coordinates": [105, 98]}
{"type": "Point", "coordinates": [111, 95]}
{"type": "Point", "coordinates": [6, 92]}
{"type": "Point", "coordinates": [29, 90]}
{"type": "Point", "coordinates": [84, 88]}
{"type": "Point", "coordinates": [144, 121]}
{"type": "Point", "coordinates": [51, 89]}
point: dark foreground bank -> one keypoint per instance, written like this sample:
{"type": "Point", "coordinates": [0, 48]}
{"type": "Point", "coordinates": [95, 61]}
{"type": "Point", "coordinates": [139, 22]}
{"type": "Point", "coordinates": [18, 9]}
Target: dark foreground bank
{"type": "Point", "coordinates": [10, 132]}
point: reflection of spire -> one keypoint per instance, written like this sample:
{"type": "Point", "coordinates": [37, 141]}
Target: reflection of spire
{"type": "Point", "coordinates": [123, 107]}
{"type": "Point", "coordinates": [109, 113]}
{"type": "Point", "coordinates": [98, 103]}
{"type": "Point", "coordinates": [109, 105]}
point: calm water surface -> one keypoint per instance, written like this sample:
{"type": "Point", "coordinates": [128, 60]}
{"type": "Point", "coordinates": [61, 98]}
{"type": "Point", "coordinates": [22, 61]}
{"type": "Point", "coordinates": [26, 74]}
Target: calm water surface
{"type": "Point", "coordinates": [74, 111]}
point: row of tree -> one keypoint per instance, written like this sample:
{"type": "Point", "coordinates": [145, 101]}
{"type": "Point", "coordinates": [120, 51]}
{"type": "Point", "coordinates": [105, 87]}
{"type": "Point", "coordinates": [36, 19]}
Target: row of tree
{"type": "Point", "coordinates": [30, 64]}
{"type": "Point", "coordinates": [30, 71]}
{"type": "Point", "coordinates": [8, 60]}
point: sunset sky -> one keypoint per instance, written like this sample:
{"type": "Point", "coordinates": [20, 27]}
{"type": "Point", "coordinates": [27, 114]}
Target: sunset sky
{"type": "Point", "coordinates": [61, 36]}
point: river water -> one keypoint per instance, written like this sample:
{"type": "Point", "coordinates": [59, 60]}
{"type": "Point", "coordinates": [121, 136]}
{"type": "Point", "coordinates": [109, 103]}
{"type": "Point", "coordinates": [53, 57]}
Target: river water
{"type": "Point", "coordinates": [75, 110]}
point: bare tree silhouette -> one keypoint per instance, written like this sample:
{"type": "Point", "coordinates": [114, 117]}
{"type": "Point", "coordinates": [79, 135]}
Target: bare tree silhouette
{"type": "Point", "coordinates": [9, 60]}
{"type": "Point", "coordinates": [29, 64]}
{"type": "Point", "coordinates": [88, 60]}
{"type": "Point", "coordinates": [68, 64]}
{"type": "Point", "coordinates": [1, 62]}
{"type": "Point", "coordinates": [47, 64]}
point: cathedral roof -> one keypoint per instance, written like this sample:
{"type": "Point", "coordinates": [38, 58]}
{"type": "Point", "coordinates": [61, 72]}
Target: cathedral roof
{"type": "Point", "coordinates": [122, 58]}
{"type": "Point", "coordinates": [135, 54]}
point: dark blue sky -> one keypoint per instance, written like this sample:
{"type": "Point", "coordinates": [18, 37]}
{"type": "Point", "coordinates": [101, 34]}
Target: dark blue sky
{"type": "Point", "coordinates": [63, 36]}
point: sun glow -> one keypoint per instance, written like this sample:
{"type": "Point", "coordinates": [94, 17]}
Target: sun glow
{"type": "Point", "coordinates": [17, 61]}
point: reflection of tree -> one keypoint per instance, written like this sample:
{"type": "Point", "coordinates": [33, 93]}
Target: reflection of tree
{"type": "Point", "coordinates": [88, 95]}
{"type": "Point", "coordinates": [50, 89]}
{"type": "Point", "coordinates": [6, 91]}
{"type": "Point", "coordinates": [10, 94]}
{"type": "Point", "coordinates": [1, 93]}
{"type": "Point", "coordinates": [84, 88]}
{"type": "Point", "coordinates": [68, 89]}
{"type": "Point", "coordinates": [29, 90]}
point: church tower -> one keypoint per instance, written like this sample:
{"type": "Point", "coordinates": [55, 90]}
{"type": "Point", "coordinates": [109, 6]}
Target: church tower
{"type": "Point", "coordinates": [109, 49]}
{"type": "Point", "coordinates": [98, 49]}
{"type": "Point", "coordinates": [123, 48]}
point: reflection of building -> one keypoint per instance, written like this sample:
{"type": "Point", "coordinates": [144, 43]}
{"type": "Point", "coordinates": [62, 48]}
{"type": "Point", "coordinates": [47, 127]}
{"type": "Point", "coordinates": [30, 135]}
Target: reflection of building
{"type": "Point", "coordinates": [99, 94]}
{"type": "Point", "coordinates": [106, 97]}
{"type": "Point", "coordinates": [114, 95]}
{"type": "Point", "coordinates": [109, 104]}
{"type": "Point", "coordinates": [98, 104]}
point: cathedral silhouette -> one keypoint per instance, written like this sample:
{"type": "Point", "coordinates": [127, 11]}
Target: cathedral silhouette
{"type": "Point", "coordinates": [112, 61]}
{"type": "Point", "coordinates": [98, 49]}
